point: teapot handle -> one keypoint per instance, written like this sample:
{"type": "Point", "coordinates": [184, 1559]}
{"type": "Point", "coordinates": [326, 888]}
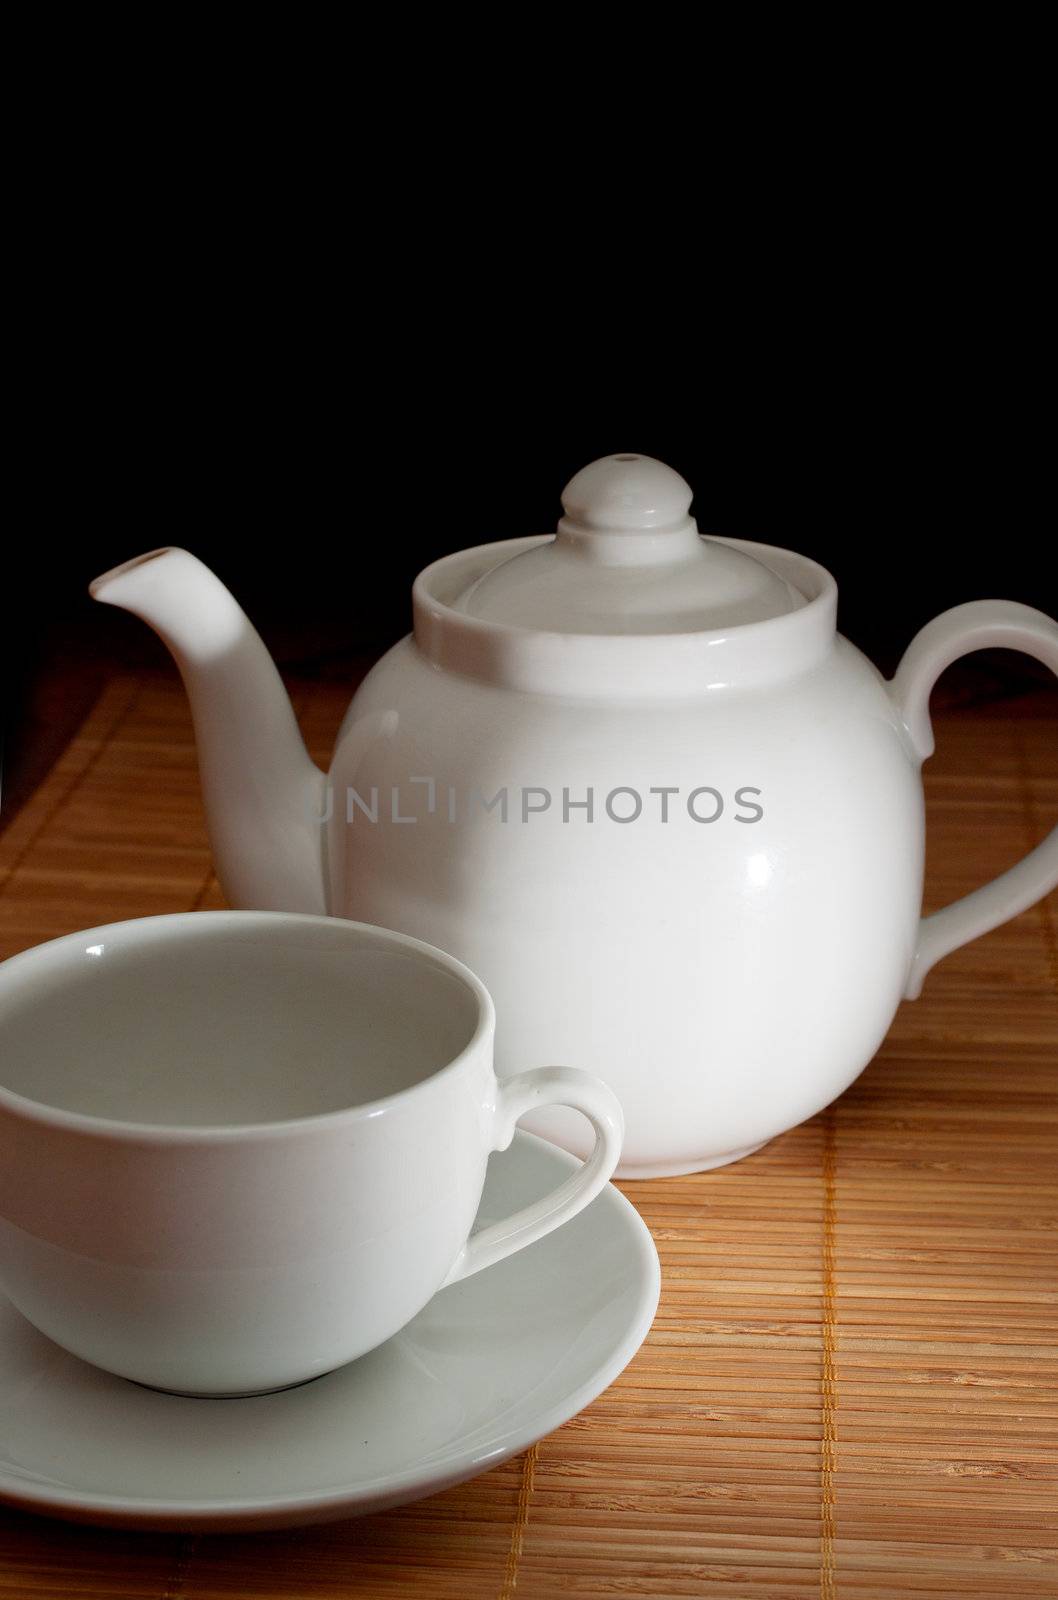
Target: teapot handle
{"type": "Point", "coordinates": [980, 625]}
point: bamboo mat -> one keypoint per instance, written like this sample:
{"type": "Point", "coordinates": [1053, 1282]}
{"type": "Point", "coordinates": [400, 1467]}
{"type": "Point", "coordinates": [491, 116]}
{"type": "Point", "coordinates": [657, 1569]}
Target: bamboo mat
{"type": "Point", "coordinates": [851, 1388]}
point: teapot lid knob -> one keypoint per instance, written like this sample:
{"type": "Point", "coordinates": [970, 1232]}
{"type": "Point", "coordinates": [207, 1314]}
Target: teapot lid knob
{"type": "Point", "coordinates": [619, 497]}
{"type": "Point", "coordinates": [627, 559]}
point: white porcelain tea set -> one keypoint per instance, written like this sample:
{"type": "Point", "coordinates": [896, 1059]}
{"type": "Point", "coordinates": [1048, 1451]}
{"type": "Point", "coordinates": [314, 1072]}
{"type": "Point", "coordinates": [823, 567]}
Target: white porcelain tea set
{"type": "Point", "coordinates": [633, 840]}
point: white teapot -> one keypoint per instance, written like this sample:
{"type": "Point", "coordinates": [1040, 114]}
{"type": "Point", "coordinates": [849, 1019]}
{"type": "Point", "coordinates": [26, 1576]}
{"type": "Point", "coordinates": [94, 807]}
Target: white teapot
{"type": "Point", "coordinates": [632, 777]}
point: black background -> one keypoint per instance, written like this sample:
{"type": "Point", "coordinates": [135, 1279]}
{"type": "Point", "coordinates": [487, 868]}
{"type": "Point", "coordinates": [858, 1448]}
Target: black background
{"type": "Point", "coordinates": [318, 457]}
{"type": "Point", "coordinates": [320, 341]}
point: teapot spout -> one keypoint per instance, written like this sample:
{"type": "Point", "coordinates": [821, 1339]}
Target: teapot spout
{"type": "Point", "coordinates": [263, 794]}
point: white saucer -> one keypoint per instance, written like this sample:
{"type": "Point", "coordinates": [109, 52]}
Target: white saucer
{"type": "Point", "coordinates": [489, 1367]}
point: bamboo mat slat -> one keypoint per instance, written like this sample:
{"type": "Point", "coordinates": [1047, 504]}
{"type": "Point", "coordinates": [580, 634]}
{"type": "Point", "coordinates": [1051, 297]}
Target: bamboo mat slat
{"type": "Point", "coordinates": [851, 1388]}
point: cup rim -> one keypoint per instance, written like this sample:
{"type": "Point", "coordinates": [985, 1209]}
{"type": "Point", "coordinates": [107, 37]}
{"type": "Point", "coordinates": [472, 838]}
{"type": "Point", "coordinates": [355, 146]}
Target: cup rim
{"type": "Point", "coordinates": [204, 922]}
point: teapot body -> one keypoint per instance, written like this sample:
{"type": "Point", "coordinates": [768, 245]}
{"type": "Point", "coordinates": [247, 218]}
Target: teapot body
{"type": "Point", "coordinates": [634, 778]}
{"type": "Point", "coordinates": [709, 898]}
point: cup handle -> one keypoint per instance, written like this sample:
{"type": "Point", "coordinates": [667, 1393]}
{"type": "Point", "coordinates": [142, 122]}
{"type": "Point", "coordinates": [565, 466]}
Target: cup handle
{"type": "Point", "coordinates": [980, 625]}
{"type": "Point", "coordinates": [517, 1096]}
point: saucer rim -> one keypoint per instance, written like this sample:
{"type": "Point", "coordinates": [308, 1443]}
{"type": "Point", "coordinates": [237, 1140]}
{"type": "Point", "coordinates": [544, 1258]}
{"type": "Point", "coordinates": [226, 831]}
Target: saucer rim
{"type": "Point", "coordinates": [373, 1495]}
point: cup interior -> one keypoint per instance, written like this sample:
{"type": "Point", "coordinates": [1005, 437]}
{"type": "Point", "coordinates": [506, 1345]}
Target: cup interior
{"type": "Point", "coordinates": [228, 1018]}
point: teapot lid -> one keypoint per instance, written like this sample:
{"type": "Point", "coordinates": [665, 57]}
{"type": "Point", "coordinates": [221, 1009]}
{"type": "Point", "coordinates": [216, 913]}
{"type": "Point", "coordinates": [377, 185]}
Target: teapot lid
{"type": "Point", "coordinates": [628, 559]}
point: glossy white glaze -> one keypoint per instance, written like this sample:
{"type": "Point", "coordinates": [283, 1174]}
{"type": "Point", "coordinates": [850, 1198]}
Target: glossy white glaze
{"type": "Point", "coordinates": [239, 1149]}
{"type": "Point", "coordinates": [486, 1369]}
{"type": "Point", "coordinates": [260, 788]}
{"type": "Point", "coordinates": [728, 978]}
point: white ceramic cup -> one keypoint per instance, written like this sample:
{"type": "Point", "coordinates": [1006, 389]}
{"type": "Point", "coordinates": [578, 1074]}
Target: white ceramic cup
{"type": "Point", "coordinates": [239, 1149]}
